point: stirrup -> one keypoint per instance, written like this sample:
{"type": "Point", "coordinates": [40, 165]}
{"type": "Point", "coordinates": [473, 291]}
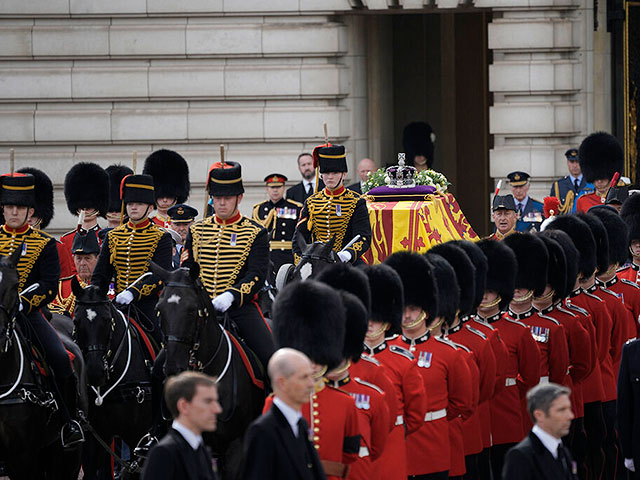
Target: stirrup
{"type": "Point", "coordinates": [71, 434]}
{"type": "Point", "coordinates": [144, 445]}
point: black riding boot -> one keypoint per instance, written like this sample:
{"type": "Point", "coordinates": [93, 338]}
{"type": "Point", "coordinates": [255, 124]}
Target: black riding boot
{"type": "Point", "coordinates": [71, 432]}
{"type": "Point", "coordinates": [158, 424]}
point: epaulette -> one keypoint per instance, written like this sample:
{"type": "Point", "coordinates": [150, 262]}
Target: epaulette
{"type": "Point", "coordinates": [629, 282]}
{"type": "Point", "coordinates": [477, 332]}
{"type": "Point", "coordinates": [517, 322]}
{"type": "Point", "coordinates": [370, 359]}
{"type": "Point", "coordinates": [41, 233]}
{"type": "Point", "coordinates": [446, 342]}
{"type": "Point", "coordinates": [578, 309]}
{"type": "Point", "coordinates": [392, 337]}
{"type": "Point", "coordinates": [536, 200]}
{"type": "Point", "coordinates": [70, 232]}
{"type": "Point", "coordinates": [623, 268]}
{"type": "Point", "coordinates": [297, 204]}
{"type": "Point", "coordinates": [401, 351]}
{"type": "Point", "coordinates": [70, 277]}
{"type": "Point", "coordinates": [593, 296]}
{"type": "Point", "coordinates": [564, 310]}
{"type": "Point", "coordinates": [463, 347]}
{"type": "Point", "coordinates": [551, 319]}
{"type": "Point", "coordinates": [367, 384]}
{"type": "Point", "coordinates": [484, 324]}
{"type": "Point", "coordinates": [606, 290]}
{"type": "Point", "coordinates": [253, 222]}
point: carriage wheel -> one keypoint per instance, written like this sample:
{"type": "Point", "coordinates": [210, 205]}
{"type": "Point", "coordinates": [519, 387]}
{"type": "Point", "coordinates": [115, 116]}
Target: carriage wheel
{"type": "Point", "coordinates": [283, 275]}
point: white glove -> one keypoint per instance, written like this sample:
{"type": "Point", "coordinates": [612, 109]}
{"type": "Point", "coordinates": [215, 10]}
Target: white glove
{"type": "Point", "coordinates": [124, 298]}
{"type": "Point", "coordinates": [20, 307]}
{"type": "Point", "coordinates": [223, 301]}
{"type": "Point", "coordinates": [344, 255]}
{"type": "Point", "coordinates": [628, 463]}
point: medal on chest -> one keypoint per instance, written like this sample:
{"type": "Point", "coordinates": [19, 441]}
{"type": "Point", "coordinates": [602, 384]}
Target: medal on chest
{"type": "Point", "coordinates": [234, 239]}
{"type": "Point", "coordinates": [363, 401]}
{"type": "Point", "coordinates": [424, 359]}
{"type": "Point", "coordinates": [24, 249]}
{"type": "Point", "coordinates": [540, 334]}
{"type": "Point", "coordinates": [339, 210]}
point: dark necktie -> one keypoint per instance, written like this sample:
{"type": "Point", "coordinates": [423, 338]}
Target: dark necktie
{"type": "Point", "coordinates": [576, 184]}
{"type": "Point", "coordinates": [563, 458]}
{"type": "Point", "coordinates": [309, 189]}
{"type": "Point", "coordinates": [204, 462]}
{"type": "Point", "coordinates": [519, 210]}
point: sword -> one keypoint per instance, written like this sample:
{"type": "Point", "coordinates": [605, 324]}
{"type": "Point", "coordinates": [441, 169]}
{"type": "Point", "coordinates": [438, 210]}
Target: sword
{"type": "Point", "coordinates": [353, 240]}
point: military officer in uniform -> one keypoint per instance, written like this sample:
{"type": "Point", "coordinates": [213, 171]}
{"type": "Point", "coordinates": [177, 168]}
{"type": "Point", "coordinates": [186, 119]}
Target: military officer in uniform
{"type": "Point", "coordinates": [335, 211]}
{"type": "Point", "coordinates": [569, 188]}
{"type": "Point", "coordinates": [630, 213]}
{"type": "Point", "coordinates": [38, 271]}
{"type": "Point", "coordinates": [170, 174]}
{"type": "Point", "coordinates": [181, 217]}
{"type": "Point", "coordinates": [85, 252]}
{"type": "Point", "coordinates": [86, 190]}
{"type": "Point", "coordinates": [529, 210]}
{"type": "Point", "coordinates": [600, 156]}
{"type": "Point", "coordinates": [233, 254]}
{"type": "Point", "coordinates": [279, 216]}
{"type": "Point", "coordinates": [128, 251]}
{"type": "Point", "coordinates": [503, 214]}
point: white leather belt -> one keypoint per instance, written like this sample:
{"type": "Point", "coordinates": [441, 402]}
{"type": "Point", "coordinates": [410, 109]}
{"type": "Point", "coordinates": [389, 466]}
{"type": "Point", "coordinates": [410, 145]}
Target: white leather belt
{"type": "Point", "coordinates": [510, 382]}
{"type": "Point", "coordinates": [399, 420]}
{"type": "Point", "coordinates": [364, 452]}
{"type": "Point", "coordinates": [435, 415]}
{"type": "Point", "coordinates": [544, 379]}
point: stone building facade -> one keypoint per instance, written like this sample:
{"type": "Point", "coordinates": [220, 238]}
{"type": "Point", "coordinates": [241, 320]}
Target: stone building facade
{"type": "Point", "coordinates": [96, 80]}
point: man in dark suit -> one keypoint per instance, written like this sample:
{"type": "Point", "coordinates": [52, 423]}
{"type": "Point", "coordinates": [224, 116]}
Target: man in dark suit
{"type": "Point", "coordinates": [192, 399]}
{"type": "Point", "coordinates": [365, 166]}
{"type": "Point", "coordinates": [277, 445]}
{"type": "Point", "coordinates": [307, 187]}
{"type": "Point", "coordinates": [569, 188]}
{"type": "Point", "coordinates": [541, 455]}
{"type": "Point", "coordinates": [629, 407]}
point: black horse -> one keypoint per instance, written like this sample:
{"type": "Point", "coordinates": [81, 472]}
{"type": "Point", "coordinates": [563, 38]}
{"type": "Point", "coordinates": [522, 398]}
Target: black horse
{"type": "Point", "coordinates": [315, 258]}
{"type": "Point", "coordinates": [29, 420]}
{"type": "Point", "coordinates": [194, 339]}
{"type": "Point", "coordinates": [118, 374]}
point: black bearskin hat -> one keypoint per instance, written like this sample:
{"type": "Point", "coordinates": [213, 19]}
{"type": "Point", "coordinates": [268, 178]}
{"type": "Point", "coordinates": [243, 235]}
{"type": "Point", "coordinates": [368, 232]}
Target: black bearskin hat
{"type": "Point", "coordinates": [44, 195]}
{"type": "Point", "coordinates": [465, 273]}
{"type": "Point", "coordinates": [479, 261]}
{"type": "Point", "coordinates": [86, 186]}
{"type": "Point", "coordinates": [418, 139]}
{"type": "Point", "coordinates": [116, 174]}
{"type": "Point", "coordinates": [618, 233]}
{"type": "Point", "coordinates": [448, 289]}
{"type": "Point", "coordinates": [601, 237]}
{"type": "Point", "coordinates": [343, 276]}
{"type": "Point", "coordinates": [630, 213]}
{"type": "Point", "coordinates": [309, 316]}
{"type": "Point", "coordinates": [557, 267]}
{"type": "Point", "coordinates": [572, 258]}
{"type": "Point", "coordinates": [356, 326]}
{"type": "Point", "coordinates": [582, 239]}
{"type": "Point", "coordinates": [418, 281]}
{"type": "Point", "coordinates": [387, 294]}
{"type": "Point", "coordinates": [601, 156]}
{"type": "Point", "coordinates": [503, 267]}
{"type": "Point", "coordinates": [533, 258]}
{"type": "Point", "coordinates": [170, 174]}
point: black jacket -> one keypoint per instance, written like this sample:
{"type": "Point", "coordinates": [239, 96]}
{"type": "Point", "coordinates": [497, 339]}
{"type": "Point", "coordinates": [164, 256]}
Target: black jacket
{"type": "Point", "coordinates": [356, 187]}
{"type": "Point", "coordinates": [629, 402]}
{"type": "Point", "coordinates": [530, 460]}
{"type": "Point", "coordinates": [271, 451]}
{"type": "Point", "coordinates": [299, 194]}
{"type": "Point", "coordinates": [174, 459]}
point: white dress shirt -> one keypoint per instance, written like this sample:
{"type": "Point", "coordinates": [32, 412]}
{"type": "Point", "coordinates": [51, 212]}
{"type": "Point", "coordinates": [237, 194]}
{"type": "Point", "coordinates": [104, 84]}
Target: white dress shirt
{"type": "Point", "coordinates": [292, 415]}
{"type": "Point", "coordinates": [523, 202]}
{"type": "Point", "coordinates": [573, 179]}
{"type": "Point", "coordinates": [191, 438]}
{"type": "Point", "coordinates": [550, 442]}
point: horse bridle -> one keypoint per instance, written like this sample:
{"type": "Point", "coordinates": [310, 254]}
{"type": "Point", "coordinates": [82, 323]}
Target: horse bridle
{"type": "Point", "coordinates": [11, 324]}
{"type": "Point", "coordinates": [203, 316]}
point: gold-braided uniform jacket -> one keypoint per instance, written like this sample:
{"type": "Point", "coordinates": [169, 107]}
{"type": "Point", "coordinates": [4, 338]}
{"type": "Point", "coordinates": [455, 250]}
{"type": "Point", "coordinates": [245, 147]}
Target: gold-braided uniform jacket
{"type": "Point", "coordinates": [65, 301]}
{"type": "Point", "coordinates": [125, 256]}
{"type": "Point", "coordinates": [341, 214]}
{"type": "Point", "coordinates": [233, 256]}
{"type": "Point", "coordinates": [38, 267]}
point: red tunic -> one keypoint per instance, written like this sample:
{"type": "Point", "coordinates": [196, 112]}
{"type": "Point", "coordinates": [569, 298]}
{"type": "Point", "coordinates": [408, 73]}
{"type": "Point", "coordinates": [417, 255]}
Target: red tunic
{"type": "Point", "coordinates": [333, 424]}
{"type": "Point", "coordinates": [373, 421]}
{"type": "Point", "coordinates": [67, 244]}
{"type": "Point", "coordinates": [67, 267]}
{"type": "Point", "coordinates": [501, 353]}
{"type": "Point", "coordinates": [523, 372]}
{"type": "Point", "coordinates": [629, 293]}
{"type": "Point", "coordinates": [65, 300]}
{"type": "Point", "coordinates": [630, 272]}
{"type": "Point", "coordinates": [159, 220]}
{"type": "Point", "coordinates": [446, 377]}
{"type": "Point", "coordinates": [585, 202]}
{"type": "Point", "coordinates": [485, 362]}
{"type": "Point", "coordinates": [412, 405]}
{"type": "Point", "coordinates": [580, 345]}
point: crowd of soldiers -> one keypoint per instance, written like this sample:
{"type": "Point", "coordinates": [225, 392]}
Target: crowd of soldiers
{"type": "Point", "coordinates": [422, 362]}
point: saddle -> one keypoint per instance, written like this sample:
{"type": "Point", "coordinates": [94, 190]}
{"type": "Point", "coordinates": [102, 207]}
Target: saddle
{"type": "Point", "coordinates": [252, 364]}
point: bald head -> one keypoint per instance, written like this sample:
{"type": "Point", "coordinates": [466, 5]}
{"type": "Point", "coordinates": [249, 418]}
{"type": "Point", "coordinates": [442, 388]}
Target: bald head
{"type": "Point", "coordinates": [365, 166]}
{"type": "Point", "coordinates": [291, 376]}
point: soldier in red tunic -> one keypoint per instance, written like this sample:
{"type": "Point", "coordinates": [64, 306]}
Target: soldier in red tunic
{"type": "Point", "coordinates": [86, 190]}
{"type": "Point", "coordinates": [170, 174]}
{"type": "Point", "coordinates": [523, 361]}
{"type": "Point", "coordinates": [386, 316]}
{"type": "Point", "coordinates": [630, 213]}
{"type": "Point", "coordinates": [310, 316]}
{"type": "Point", "coordinates": [600, 156]}
{"type": "Point", "coordinates": [431, 297]}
